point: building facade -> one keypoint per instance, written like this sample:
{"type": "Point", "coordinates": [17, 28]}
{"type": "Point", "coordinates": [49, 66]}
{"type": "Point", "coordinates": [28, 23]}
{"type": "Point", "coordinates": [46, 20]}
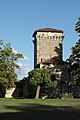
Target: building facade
{"type": "Point", "coordinates": [48, 52]}
{"type": "Point", "coordinates": [47, 45]}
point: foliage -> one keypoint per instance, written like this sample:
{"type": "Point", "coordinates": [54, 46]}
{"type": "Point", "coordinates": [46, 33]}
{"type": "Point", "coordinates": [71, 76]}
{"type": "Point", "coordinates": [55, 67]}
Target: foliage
{"type": "Point", "coordinates": [41, 76]}
{"type": "Point", "coordinates": [77, 27]}
{"type": "Point", "coordinates": [53, 80]}
{"type": "Point", "coordinates": [74, 58]}
{"type": "Point", "coordinates": [3, 85]}
{"type": "Point", "coordinates": [8, 65]}
{"type": "Point", "coordinates": [66, 95]}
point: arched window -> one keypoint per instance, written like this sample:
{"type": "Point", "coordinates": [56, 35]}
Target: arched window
{"type": "Point", "coordinates": [56, 37]}
{"type": "Point", "coordinates": [53, 37]}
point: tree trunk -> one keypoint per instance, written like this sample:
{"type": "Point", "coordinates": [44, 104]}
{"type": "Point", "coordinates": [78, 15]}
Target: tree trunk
{"type": "Point", "coordinates": [37, 92]}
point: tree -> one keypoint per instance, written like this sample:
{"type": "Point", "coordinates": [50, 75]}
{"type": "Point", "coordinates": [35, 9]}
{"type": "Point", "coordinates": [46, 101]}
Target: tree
{"type": "Point", "coordinates": [77, 27]}
{"type": "Point", "coordinates": [7, 67]}
{"type": "Point", "coordinates": [74, 58]}
{"type": "Point", "coordinates": [39, 77]}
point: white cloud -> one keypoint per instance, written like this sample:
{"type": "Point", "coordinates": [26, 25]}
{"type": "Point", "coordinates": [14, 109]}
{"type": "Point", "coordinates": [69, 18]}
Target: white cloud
{"type": "Point", "coordinates": [20, 64]}
{"type": "Point", "coordinates": [23, 66]}
{"type": "Point", "coordinates": [14, 50]}
{"type": "Point", "coordinates": [24, 69]}
{"type": "Point", "coordinates": [21, 59]}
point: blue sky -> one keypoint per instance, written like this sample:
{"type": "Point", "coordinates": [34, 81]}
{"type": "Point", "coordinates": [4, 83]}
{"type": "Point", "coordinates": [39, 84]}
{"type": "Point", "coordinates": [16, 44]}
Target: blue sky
{"type": "Point", "coordinates": [20, 18]}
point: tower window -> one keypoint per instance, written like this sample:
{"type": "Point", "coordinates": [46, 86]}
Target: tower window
{"type": "Point", "coordinates": [50, 37]}
{"type": "Point", "coordinates": [53, 37]}
{"type": "Point", "coordinates": [47, 37]}
{"type": "Point", "coordinates": [59, 37]}
{"type": "Point", "coordinates": [56, 37]}
{"type": "Point", "coordinates": [39, 36]}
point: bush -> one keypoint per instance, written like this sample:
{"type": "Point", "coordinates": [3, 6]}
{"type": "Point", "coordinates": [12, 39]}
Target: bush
{"type": "Point", "coordinates": [66, 95]}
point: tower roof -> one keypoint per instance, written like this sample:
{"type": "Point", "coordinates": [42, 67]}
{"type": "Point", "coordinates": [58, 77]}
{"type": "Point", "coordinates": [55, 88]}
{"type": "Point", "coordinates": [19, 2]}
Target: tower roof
{"type": "Point", "coordinates": [47, 30]}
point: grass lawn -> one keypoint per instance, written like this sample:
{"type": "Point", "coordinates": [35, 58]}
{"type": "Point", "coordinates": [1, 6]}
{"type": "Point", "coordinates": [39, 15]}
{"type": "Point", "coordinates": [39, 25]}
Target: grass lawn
{"type": "Point", "coordinates": [39, 109]}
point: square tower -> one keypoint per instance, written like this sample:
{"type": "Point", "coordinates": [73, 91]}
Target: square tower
{"type": "Point", "coordinates": [47, 45]}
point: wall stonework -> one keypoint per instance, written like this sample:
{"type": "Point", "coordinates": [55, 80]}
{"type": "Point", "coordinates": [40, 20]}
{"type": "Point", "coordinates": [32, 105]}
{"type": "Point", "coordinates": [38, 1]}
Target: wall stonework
{"type": "Point", "coordinates": [9, 92]}
{"type": "Point", "coordinates": [47, 45]}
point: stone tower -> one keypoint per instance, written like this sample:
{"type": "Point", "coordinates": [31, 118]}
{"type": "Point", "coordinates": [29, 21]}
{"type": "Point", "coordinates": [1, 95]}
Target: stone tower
{"type": "Point", "coordinates": [47, 45]}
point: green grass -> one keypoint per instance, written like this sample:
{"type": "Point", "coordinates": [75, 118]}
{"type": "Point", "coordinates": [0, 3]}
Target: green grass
{"type": "Point", "coordinates": [39, 109]}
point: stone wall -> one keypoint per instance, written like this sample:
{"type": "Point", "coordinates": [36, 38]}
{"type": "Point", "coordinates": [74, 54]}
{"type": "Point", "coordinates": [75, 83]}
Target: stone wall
{"type": "Point", "coordinates": [9, 92]}
{"type": "Point", "coordinates": [47, 45]}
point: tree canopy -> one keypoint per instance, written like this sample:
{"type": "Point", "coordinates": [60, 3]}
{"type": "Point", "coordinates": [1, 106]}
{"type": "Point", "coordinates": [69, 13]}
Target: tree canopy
{"type": "Point", "coordinates": [38, 75]}
{"type": "Point", "coordinates": [77, 27]}
{"type": "Point", "coordinates": [7, 66]}
{"type": "Point", "coordinates": [75, 57]}
{"type": "Point", "coordinates": [41, 77]}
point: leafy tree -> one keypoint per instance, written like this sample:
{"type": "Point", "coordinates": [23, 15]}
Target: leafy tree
{"type": "Point", "coordinates": [7, 67]}
{"type": "Point", "coordinates": [75, 58]}
{"type": "Point", "coordinates": [77, 27]}
{"type": "Point", "coordinates": [39, 77]}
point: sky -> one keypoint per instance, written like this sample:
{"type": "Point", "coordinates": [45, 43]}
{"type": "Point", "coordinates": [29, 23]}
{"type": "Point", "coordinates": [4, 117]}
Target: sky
{"type": "Point", "coordinates": [20, 18]}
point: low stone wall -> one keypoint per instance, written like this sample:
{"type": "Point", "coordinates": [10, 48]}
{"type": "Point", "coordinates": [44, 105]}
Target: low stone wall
{"type": "Point", "coordinates": [9, 92]}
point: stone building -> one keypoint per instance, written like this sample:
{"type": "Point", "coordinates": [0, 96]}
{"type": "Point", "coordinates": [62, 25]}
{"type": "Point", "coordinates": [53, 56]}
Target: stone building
{"type": "Point", "coordinates": [47, 45]}
{"type": "Point", "coordinates": [48, 52]}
